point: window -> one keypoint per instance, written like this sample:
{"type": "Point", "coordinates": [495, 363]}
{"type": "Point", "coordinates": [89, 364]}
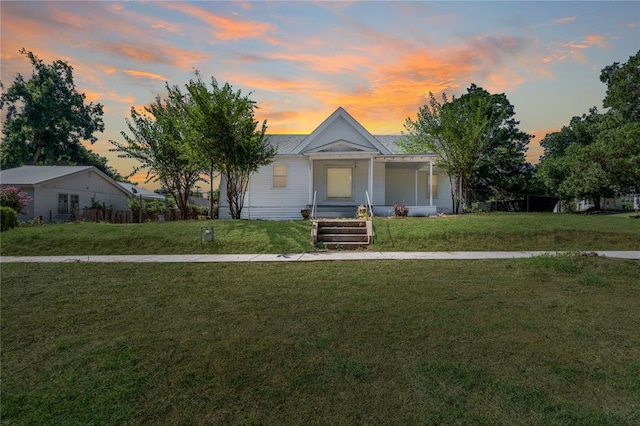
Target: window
{"type": "Point", "coordinates": [279, 175]}
{"type": "Point", "coordinates": [434, 186]}
{"type": "Point", "coordinates": [339, 182]}
{"type": "Point", "coordinates": [63, 203]}
{"type": "Point", "coordinates": [75, 203]}
{"type": "Point", "coordinates": [66, 202]}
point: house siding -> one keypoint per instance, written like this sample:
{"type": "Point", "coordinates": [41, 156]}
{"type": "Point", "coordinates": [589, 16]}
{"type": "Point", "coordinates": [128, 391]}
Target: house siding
{"type": "Point", "coordinates": [379, 173]}
{"type": "Point", "coordinates": [263, 201]}
{"type": "Point", "coordinates": [339, 130]}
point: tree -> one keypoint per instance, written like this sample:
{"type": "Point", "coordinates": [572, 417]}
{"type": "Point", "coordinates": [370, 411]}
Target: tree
{"type": "Point", "coordinates": [598, 155]}
{"type": "Point", "coordinates": [231, 141]}
{"type": "Point", "coordinates": [623, 87]}
{"type": "Point", "coordinates": [46, 117]}
{"type": "Point", "coordinates": [476, 139]}
{"type": "Point", "coordinates": [502, 165]}
{"type": "Point", "coordinates": [161, 141]}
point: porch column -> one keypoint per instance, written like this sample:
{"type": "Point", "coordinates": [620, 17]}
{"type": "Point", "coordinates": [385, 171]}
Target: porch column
{"type": "Point", "coordinates": [415, 187]}
{"type": "Point", "coordinates": [310, 181]}
{"type": "Point", "coordinates": [431, 182]}
{"type": "Point", "coordinates": [371, 181]}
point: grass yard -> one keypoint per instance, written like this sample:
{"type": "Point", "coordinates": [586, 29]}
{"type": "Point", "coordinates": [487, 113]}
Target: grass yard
{"type": "Point", "coordinates": [547, 340]}
{"type": "Point", "coordinates": [495, 231]}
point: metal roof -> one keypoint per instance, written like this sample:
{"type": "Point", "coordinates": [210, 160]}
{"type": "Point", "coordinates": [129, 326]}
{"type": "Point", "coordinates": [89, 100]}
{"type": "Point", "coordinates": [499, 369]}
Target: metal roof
{"type": "Point", "coordinates": [136, 191]}
{"type": "Point", "coordinates": [287, 143]}
{"type": "Point", "coordinates": [33, 175]}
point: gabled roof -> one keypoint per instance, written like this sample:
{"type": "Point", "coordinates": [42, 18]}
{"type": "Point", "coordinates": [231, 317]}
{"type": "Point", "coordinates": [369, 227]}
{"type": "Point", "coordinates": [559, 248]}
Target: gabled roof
{"type": "Point", "coordinates": [349, 127]}
{"type": "Point", "coordinates": [348, 136]}
{"type": "Point", "coordinates": [34, 175]}
{"type": "Point", "coordinates": [37, 175]}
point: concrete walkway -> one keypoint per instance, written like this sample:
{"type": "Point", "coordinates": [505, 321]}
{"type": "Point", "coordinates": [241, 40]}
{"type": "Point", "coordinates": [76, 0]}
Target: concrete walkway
{"type": "Point", "coordinates": [306, 257]}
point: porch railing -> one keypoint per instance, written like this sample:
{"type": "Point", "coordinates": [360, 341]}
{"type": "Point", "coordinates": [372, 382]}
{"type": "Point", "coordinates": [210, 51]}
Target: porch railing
{"type": "Point", "coordinates": [369, 208]}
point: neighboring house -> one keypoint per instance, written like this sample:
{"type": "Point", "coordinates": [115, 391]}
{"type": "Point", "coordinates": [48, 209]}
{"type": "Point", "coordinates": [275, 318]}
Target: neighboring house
{"type": "Point", "coordinates": [338, 164]}
{"type": "Point", "coordinates": [60, 192]}
{"type": "Point", "coordinates": [622, 202]}
{"type": "Point", "coordinates": [137, 192]}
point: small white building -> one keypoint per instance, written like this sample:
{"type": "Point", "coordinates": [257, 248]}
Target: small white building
{"type": "Point", "coordinates": [58, 190]}
{"type": "Point", "coordinates": [338, 166]}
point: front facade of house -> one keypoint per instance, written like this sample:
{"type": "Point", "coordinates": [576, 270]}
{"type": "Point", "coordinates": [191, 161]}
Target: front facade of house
{"type": "Point", "coordinates": [338, 167]}
{"type": "Point", "coordinates": [60, 191]}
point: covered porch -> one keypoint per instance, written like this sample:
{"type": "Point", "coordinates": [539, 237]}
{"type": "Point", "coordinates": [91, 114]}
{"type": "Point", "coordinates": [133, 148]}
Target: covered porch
{"type": "Point", "coordinates": [340, 182]}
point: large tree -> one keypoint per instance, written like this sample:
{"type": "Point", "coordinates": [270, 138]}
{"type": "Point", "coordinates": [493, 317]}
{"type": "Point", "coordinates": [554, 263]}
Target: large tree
{"type": "Point", "coordinates": [476, 138]}
{"type": "Point", "coordinates": [623, 87]}
{"type": "Point", "coordinates": [162, 140]}
{"type": "Point", "coordinates": [230, 141]}
{"type": "Point", "coordinates": [598, 155]}
{"type": "Point", "coordinates": [47, 118]}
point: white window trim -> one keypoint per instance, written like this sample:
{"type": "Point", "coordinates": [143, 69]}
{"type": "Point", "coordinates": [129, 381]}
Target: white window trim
{"type": "Point", "coordinates": [286, 176]}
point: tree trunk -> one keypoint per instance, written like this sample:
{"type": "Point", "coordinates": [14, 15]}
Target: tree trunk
{"type": "Point", "coordinates": [596, 203]}
{"type": "Point", "coordinates": [36, 155]}
{"type": "Point", "coordinates": [211, 191]}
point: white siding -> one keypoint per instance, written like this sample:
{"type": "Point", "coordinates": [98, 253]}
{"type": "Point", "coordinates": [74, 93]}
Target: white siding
{"type": "Point", "coordinates": [378, 184]}
{"type": "Point", "coordinates": [340, 129]}
{"type": "Point", "coordinates": [263, 201]}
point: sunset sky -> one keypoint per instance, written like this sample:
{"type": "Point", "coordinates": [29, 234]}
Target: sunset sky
{"type": "Point", "coordinates": [302, 60]}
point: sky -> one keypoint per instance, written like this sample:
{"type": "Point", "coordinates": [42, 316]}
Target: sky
{"type": "Point", "coordinates": [302, 60]}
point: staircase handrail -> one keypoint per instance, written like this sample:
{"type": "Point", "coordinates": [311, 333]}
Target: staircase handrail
{"type": "Point", "coordinates": [369, 208]}
{"type": "Point", "coordinates": [313, 206]}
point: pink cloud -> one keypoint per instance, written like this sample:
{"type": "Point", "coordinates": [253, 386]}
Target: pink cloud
{"type": "Point", "coordinates": [144, 75]}
{"type": "Point", "coordinates": [226, 28]}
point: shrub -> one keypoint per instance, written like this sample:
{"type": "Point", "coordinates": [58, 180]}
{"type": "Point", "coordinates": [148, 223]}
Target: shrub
{"type": "Point", "coordinates": [12, 197]}
{"type": "Point", "coordinates": [150, 209]}
{"type": "Point", "coordinates": [400, 210]}
{"type": "Point", "coordinates": [8, 218]}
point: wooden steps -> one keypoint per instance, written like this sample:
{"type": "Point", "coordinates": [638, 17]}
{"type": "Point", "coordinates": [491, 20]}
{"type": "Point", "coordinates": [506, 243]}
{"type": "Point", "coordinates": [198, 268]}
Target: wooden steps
{"type": "Point", "coordinates": [342, 234]}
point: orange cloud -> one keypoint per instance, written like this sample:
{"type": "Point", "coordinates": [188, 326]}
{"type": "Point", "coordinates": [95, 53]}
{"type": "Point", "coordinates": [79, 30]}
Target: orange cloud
{"type": "Point", "coordinates": [145, 75]}
{"type": "Point", "coordinates": [226, 28]}
{"type": "Point", "coordinates": [595, 40]}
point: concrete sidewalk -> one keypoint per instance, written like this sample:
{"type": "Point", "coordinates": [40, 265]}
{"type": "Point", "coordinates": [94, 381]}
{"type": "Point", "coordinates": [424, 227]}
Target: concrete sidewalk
{"type": "Point", "coordinates": [306, 257]}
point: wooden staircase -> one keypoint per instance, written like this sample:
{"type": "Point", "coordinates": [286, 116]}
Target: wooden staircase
{"type": "Point", "coordinates": [342, 234]}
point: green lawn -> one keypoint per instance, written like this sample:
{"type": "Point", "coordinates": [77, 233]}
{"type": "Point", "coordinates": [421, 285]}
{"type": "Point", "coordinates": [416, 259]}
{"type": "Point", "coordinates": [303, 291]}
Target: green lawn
{"type": "Point", "coordinates": [547, 340]}
{"type": "Point", "coordinates": [471, 232]}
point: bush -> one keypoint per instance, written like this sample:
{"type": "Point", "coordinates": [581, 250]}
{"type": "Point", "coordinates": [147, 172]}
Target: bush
{"type": "Point", "coordinates": [400, 210]}
{"type": "Point", "coordinates": [8, 218]}
{"type": "Point", "coordinates": [150, 209]}
{"type": "Point", "coordinates": [12, 197]}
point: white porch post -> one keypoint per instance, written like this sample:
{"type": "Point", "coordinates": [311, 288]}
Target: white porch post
{"type": "Point", "coordinates": [310, 181]}
{"type": "Point", "coordinates": [415, 188]}
{"type": "Point", "coordinates": [431, 182]}
{"type": "Point", "coordinates": [371, 181]}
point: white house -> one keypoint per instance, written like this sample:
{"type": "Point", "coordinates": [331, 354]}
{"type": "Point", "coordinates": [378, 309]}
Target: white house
{"type": "Point", "coordinates": [340, 166]}
{"type": "Point", "coordinates": [58, 190]}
